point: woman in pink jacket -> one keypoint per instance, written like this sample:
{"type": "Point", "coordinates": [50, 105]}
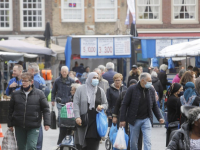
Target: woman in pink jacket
{"type": "Point", "coordinates": [177, 78]}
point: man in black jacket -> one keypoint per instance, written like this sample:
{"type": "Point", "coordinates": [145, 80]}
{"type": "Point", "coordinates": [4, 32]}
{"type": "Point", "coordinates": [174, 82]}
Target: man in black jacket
{"type": "Point", "coordinates": [133, 74]}
{"type": "Point", "coordinates": [27, 107]}
{"type": "Point", "coordinates": [141, 99]}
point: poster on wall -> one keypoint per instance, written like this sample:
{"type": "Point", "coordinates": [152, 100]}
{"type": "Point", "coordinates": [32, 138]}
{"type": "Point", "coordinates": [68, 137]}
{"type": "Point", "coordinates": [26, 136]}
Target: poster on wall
{"type": "Point", "coordinates": [88, 47]}
{"type": "Point", "coordinates": [105, 46]}
{"type": "Point", "coordinates": [161, 44]}
{"type": "Point", "coordinates": [122, 46]}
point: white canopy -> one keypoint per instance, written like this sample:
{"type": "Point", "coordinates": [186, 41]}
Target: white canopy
{"type": "Point", "coordinates": [181, 50]}
{"type": "Point", "coordinates": [18, 46]}
{"type": "Point", "coordinates": [6, 56]}
{"type": "Point", "coordinates": [35, 41]}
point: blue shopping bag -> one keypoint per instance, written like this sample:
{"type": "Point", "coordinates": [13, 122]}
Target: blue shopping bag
{"type": "Point", "coordinates": [114, 137]}
{"type": "Point", "coordinates": [102, 123]}
{"type": "Point", "coordinates": [113, 130]}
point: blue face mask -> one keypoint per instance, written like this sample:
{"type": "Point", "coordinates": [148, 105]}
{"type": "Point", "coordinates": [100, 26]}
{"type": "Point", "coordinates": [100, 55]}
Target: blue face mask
{"type": "Point", "coordinates": [95, 82]}
{"type": "Point", "coordinates": [148, 85]}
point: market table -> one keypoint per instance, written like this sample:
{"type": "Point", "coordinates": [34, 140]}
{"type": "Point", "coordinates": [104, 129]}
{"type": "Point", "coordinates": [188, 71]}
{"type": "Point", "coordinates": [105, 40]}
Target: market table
{"type": "Point", "coordinates": [4, 106]}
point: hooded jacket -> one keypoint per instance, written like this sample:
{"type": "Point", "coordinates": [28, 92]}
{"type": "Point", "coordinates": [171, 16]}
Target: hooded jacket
{"type": "Point", "coordinates": [176, 79]}
{"type": "Point", "coordinates": [133, 76]}
{"type": "Point", "coordinates": [180, 140]}
{"type": "Point", "coordinates": [112, 95]}
{"type": "Point", "coordinates": [158, 87]}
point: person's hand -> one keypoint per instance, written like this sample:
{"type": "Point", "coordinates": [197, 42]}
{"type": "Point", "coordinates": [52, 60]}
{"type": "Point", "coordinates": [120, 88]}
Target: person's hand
{"type": "Point", "coordinates": [53, 103]}
{"type": "Point", "coordinates": [14, 84]}
{"type": "Point", "coordinates": [46, 128]}
{"type": "Point", "coordinates": [99, 107]}
{"type": "Point", "coordinates": [79, 121]}
{"type": "Point", "coordinates": [114, 120]}
{"type": "Point", "coordinates": [11, 128]}
{"type": "Point", "coordinates": [162, 121]}
{"type": "Point", "coordinates": [122, 124]}
{"type": "Point", "coordinates": [109, 117]}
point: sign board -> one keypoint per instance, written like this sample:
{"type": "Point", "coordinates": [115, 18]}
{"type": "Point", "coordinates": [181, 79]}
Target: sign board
{"type": "Point", "coordinates": [161, 44]}
{"type": "Point", "coordinates": [105, 46]}
{"type": "Point", "coordinates": [122, 46]}
{"type": "Point", "coordinates": [88, 46]}
{"type": "Point", "coordinates": [177, 41]}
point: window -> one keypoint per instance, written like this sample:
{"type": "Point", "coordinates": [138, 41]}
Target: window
{"type": "Point", "coordinates": [105, 10]}
{"type": "Point", "coordinates": [184, 10]}
{"type": "Point", "coordinates": [5, 15]}
{"type": "Point", "coordinates": [149, 11]}
{"type": "Point", "coordinates": [72, 10]}
{"type": "Point", "coordinates": [32, 15]}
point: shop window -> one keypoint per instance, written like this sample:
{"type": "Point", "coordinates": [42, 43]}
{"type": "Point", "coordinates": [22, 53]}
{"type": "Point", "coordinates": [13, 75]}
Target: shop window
{"type": "Point", "coordinates": [184, 10]}
{"type": "Point", "coordinates": [5, 15]}
{"type": "Point", "coordinates": [105, 10]}
{"type": "Point", "coordinates": [72, 10]}
{"type": "Point", "coordinates": [32, 14]}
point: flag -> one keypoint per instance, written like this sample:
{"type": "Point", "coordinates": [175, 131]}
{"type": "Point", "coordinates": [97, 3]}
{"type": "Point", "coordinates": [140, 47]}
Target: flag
{"type": "Point", "coordinates": [127, 18]}
{"type": "Point", "coordinates": [131, 7]}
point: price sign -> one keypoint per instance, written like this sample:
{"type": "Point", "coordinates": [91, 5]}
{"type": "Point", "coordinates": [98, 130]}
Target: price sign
{"type": "Point", "coordinates": [122, 46]}
{"type": "Point", "coordinates": [88, 46]}
{"type": "Point", "coordinates": [105, 46]}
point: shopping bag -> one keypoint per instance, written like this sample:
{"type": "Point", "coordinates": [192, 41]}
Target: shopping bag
{"type": "Point", "coordinates": [9, 141]}
{"type": "Point", "coordinates": [102, 123]}
{"type": "Point", "coordinates": [121, 140]}
{"type": "Point", "coordinates": [113, 130]}
{"type": "Point", "coordinates": [53, 119]}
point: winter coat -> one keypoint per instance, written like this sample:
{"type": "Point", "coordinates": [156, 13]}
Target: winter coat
{"type": "Point", "coordinates": [176, 79]}
{"type": "Point", "coordinates": [158, 87]}
{"type": "Point", "coordinates": [104, 84]}
{"type": "Point", "coordinates": [28, 112]}
{"type": "Point", "coordinates": [62, 89]}
{"type": "Point", "coordinates": [180, 140]}
{"type": "Point", "coordinates": [109, 76]}
{"type": "Point", "coordinates": [163, 79]}
{"type": "Point", "coordinates": [132, 100]}
{"type": "Point", "coordinates": [116, 111]}
{"type": "Point", "coordinates": [80, 105]}
{"type": "Point", "coordinates": [133, 76]}
{"type": "Point", "coordinates": [112, 96]}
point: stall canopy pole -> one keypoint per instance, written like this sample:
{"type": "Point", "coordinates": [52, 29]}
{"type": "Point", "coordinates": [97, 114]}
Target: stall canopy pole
{"type": "Point", "coordinates": [186, 63]}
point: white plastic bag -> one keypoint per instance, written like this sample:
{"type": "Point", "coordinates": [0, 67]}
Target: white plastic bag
{"type": "Point", "coordinates": [120, 142]}
{"type": "Point", "coordinates": [9, 141]}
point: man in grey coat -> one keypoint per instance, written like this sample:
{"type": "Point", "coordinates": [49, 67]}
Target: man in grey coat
{"type": "Point", "coordinates": [85, 101]}
{"type": "Point", "coordinates": [102, 82]}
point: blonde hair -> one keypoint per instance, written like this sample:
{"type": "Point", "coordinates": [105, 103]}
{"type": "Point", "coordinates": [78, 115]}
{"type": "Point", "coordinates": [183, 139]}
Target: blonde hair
{"type": "Point", "coordinates": [118, 75]}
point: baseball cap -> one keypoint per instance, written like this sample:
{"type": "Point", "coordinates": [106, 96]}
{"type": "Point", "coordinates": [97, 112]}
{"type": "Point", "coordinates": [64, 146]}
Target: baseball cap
{"type": "Point", "coordinates": [134, 66]}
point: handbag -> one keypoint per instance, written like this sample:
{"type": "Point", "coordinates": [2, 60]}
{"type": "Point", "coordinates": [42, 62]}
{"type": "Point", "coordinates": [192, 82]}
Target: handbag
{"type": "Point", "coordinates": [53, 119]}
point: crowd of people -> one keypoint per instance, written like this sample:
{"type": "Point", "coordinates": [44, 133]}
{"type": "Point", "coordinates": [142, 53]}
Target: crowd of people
{"type": "Point", "coordinates": [130, 105]}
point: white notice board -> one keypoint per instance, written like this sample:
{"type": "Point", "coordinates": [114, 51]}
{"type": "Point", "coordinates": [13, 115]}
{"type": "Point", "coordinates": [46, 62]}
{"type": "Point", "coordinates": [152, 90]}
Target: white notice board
{"type": "Point", "coordinates": [161, 44]}
{"type": "Point", "coordinates": [88, 46]}
{"type": "Point", "coordinates": [122, 46]}
{"type": "Point", "coordinates": [105, 46]}
{"type": "Point", "coordinates": [177, 41]}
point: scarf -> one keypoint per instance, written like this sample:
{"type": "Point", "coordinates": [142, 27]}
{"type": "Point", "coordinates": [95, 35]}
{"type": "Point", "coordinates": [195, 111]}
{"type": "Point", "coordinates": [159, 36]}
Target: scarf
{"type": "Point", "coordinates": [91, 90]}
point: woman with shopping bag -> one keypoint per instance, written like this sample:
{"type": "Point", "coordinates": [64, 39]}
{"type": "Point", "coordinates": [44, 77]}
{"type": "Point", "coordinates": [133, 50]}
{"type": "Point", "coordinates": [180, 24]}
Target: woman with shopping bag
{"type": "Point", "coordinates": [88, 100]}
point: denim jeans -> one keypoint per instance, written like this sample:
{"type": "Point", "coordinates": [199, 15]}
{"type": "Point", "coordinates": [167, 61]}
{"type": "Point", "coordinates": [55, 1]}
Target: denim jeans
{"type": "Point", "coordinates": [59, 106]}
{"type": "Point", "coordinates": [40, 139]}
{"type": "Point", "coordinates": [145, 126]}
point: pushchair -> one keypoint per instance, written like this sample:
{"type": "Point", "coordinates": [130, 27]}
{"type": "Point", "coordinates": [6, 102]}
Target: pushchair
{"type": "Point", "coordinates": [67, 121]}
{"type": "Point", "coordinates": [108, 144]}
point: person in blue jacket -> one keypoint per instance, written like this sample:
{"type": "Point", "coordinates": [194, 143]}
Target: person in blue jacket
{"type": "Point", "coordinates": [39, 83]}
{"type": "Point", "coordinates": [16, 82]}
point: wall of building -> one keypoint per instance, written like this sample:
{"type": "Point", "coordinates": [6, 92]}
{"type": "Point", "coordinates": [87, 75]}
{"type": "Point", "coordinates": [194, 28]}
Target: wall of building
{"type": "Point", "coordinates": [82, 28]}
{"type": "Point", "coordinates": [16, 20]}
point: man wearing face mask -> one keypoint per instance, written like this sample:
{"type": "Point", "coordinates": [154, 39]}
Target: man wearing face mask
{"type": "Point", "coordinates": [141, 99]}
{"type": "Point", "coordinates": [27, 108]}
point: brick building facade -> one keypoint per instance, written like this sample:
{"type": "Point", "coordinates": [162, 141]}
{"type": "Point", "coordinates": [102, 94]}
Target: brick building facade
{"type": "Point", "coordinates": [23, 18]}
